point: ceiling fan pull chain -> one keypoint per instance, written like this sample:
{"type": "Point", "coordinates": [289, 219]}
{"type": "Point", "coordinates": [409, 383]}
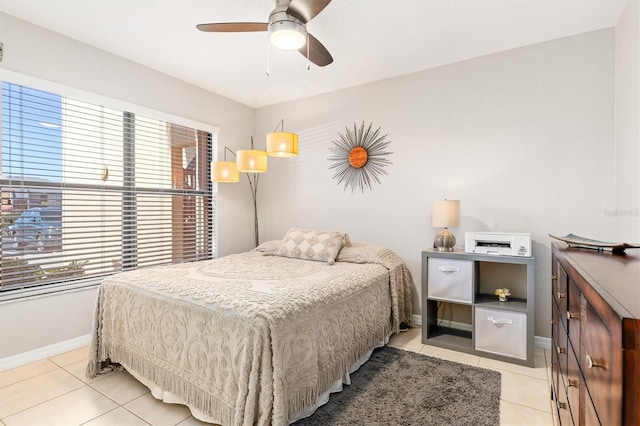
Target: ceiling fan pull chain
{"type": "Point", "coordinates": [308, 60]}
{"type": "Point", "coordinates": [268, 50]}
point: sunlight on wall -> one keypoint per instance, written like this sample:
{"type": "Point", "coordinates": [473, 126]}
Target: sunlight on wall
{"type": "Point", "coordinates": [313, 157]}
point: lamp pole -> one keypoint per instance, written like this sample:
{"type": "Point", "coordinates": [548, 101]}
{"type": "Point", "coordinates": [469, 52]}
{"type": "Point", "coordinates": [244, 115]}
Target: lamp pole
{"type": "Point", "coordinates": [253, 179]}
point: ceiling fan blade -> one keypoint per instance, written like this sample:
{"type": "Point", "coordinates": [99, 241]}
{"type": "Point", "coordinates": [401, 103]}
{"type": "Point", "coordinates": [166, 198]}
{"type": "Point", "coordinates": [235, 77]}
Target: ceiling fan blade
{"type": "Point", "coordinates": [233, 27]}
{"type": "Point", "coordinates": [306, 10]}
{"type": "Point", "coordinates": [318, 54]}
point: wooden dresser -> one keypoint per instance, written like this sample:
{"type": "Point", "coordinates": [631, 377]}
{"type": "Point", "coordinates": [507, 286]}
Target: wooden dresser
{"type": "Point", "coordinates": [596, 336]}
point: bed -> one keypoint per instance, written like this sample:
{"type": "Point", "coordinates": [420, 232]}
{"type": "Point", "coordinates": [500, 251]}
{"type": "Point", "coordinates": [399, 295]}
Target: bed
{"type": "Point", "coordinates": [251, 338]}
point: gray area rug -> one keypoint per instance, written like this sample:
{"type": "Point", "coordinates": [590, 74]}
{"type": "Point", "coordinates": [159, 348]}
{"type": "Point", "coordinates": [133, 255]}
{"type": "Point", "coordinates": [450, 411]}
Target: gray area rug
{"type": "Point", "coordinates": [397, 387]}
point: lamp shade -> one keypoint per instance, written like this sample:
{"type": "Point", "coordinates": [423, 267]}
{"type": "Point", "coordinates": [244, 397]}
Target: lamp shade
{"type": "Point", "coordinates": [282, 144]}
{"type": "Point", "coordinates": [224, 171]}
{"type": "Point", "coordinates": [445, 213]}
{"type": "Point", "coordinates": [251, 161]}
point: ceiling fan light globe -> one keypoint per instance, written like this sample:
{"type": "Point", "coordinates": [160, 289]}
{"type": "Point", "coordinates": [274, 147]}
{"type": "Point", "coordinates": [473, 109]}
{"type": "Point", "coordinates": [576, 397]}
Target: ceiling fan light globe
{"type": "Point", "coordinates": [287, 35]}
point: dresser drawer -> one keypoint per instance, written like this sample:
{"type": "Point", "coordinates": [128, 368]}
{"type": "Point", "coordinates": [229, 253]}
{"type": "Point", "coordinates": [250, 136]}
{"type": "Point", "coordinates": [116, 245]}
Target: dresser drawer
{"type": "Point", "coordinates": [573, 316]}
{"type": "Point", "coordinates": [597, 363]}
{"type": "Point", "coordinates": [450, 280]}
{"type": "Point", "coordinates": [501, 332]}
{"type": "Point", "coordinates": [559, 393]}
{"type": "Point", "coordinates": [560, 292]}
{"type": "Point", "coordinates": [561, 348]}
{"type": "Point", "coordinates": [556, 382]}
{"type": "Point", "coordinates": [573, 385]}
{"type": "Point", "coordinates": [555, 325]}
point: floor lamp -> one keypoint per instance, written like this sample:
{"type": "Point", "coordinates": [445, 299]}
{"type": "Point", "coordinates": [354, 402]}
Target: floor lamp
{"type": "Point", "coordinates": [254, 162]}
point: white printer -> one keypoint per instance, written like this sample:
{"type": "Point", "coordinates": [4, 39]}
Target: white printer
{"type": "Point", "coordinates": [498, 243]}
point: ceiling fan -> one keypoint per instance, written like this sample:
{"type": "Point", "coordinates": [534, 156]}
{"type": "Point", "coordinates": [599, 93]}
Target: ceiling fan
{"type": "Point", "coordinates": [287, 28]}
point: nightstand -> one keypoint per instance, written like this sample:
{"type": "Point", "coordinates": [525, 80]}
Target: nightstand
{"type": "Point", "coordinates": [463, 284]}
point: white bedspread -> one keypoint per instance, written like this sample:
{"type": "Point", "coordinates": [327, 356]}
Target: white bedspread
{"type": "Point", "coordinates": [247, 339]}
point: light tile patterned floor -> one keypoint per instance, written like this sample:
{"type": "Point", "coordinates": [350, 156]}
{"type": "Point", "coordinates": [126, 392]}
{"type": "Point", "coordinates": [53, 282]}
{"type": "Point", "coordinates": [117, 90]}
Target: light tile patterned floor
{"type": "Point", "coordinates": [55, 391]}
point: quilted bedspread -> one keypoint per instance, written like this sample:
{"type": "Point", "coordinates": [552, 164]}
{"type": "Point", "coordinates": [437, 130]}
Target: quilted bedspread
{"type": "Point", "coordinates": [248, 338]}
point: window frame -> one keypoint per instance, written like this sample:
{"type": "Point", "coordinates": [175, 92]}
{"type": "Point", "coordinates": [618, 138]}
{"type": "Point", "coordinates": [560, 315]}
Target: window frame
{"type": "Point", "coordinates": [127, 107]}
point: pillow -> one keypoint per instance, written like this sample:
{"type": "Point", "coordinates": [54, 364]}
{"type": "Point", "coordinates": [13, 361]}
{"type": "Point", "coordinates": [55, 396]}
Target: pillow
{"type": "Point", "coordinates": [269, 246]}
{"type": "Point", "coordinates": [362, 253]}
{"type": "Point", "coordinates": [309, 244]}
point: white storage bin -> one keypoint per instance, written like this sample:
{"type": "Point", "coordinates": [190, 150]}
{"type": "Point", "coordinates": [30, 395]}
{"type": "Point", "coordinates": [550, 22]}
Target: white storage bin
{"type": "Point", "coordinates": [501, 332]}
{"type": "Point", "coordinates": [450, 280]}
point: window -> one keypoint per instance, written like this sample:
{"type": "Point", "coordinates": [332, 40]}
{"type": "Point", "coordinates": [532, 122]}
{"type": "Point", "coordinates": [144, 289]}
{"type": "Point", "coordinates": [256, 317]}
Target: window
{"type": "Point", "coordinates": [88, 191]}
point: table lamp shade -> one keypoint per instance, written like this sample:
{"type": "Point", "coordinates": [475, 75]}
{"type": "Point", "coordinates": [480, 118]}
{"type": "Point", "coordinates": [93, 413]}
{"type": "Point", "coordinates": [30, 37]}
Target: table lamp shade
{"type": "Point", "coordinates": [251, 161]}
{"type": "Point", "coordinates": [445, 213]}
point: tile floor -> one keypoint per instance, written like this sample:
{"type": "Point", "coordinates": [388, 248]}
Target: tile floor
{"type": "Point", "coordinates": [55, 391]}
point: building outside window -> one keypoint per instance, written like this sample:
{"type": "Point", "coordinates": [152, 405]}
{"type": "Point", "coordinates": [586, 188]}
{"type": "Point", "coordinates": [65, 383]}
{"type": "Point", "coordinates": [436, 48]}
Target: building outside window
{"type": "Point", "coordinates": [89, 191]}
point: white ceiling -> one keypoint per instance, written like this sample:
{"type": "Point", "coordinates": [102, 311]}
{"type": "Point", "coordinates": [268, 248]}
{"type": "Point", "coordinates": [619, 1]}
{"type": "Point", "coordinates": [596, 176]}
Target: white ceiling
{"type": "Point", "coordinates": [369, 39]}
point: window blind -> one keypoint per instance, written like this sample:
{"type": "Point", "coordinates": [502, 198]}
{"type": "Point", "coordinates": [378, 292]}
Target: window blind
{"type": "Point", "coordinates": [89, 191]}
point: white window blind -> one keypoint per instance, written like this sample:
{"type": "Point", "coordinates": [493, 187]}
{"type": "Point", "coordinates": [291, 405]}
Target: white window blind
{"type": "Point", "coordinates": [88, 191]}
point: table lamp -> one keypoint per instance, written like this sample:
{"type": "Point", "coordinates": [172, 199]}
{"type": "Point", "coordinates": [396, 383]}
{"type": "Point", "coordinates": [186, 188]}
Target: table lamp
{"type": "Point", "coordinates": [445, 214]}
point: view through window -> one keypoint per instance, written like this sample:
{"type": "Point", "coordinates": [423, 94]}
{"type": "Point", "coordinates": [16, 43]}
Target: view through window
{"type": "Point", "coordinates": [88, 191]}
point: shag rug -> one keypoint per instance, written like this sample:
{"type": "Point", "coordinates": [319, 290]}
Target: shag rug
{"type": "Point", "coordinates": [397, 387]}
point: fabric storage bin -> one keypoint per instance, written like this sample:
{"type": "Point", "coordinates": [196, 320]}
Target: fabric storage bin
{"type": "Point", "coordinates": [450, 280]}
{"type": "Point", "coordinates": [501, 332]}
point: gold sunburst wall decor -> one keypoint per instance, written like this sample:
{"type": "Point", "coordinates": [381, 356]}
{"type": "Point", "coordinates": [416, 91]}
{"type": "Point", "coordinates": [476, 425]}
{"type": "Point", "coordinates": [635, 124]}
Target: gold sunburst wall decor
{"type": "Point", "coordinates": [360, 157]}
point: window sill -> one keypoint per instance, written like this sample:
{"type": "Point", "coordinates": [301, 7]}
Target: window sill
{"type": "Point", "coordinates": [21, 294]}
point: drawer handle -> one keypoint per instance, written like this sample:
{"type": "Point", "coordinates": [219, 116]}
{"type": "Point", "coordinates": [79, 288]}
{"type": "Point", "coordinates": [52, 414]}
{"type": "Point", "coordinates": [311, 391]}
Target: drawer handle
{"type": "Point", "coordinates": [572, 315]}
{"type": "Point", "coordinates": [562, 350]}
{"type": "Point", "coordinates": [448, 269]}
{"type": "Point", "coordinates": [562, 405]}
{"type": "Point", "coordinates": [573, 383]}
{"type": "Point", "coordinates": [591, 363]}
{"type": "Point", "coordinates": [500, 321]}
{"type": "Point", "coordinates": [562, 295]}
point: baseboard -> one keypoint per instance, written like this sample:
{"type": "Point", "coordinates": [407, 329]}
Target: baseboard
{"type": "Point", "coordinates": [542, 342]}
{"type": "Point", "coordinates": [538, 341]}
{"type": "Point", "coordinates": [44, 352]}
{"type": "Point", "coordinates": [417, 320]}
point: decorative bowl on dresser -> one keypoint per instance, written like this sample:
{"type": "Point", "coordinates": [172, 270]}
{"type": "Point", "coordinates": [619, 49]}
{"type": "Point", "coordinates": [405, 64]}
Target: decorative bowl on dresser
{"type": "Point", "coordinates": [596, 336]}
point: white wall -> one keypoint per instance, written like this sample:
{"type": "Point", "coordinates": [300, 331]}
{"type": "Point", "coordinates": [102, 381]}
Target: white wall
{"type": "Point", "coordinates": [44, 322]}
{"type": "Point", "coordinates": [627, 125]}
{"type": "Point", "coordinates": [34, 323]}
{"type": "Point", "coordinates": [524, 138]}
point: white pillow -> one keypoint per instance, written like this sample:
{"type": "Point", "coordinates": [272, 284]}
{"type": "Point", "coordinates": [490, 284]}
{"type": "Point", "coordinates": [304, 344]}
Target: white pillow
{"type": "Point", "coordinates": [362, 253]}
{"type": "Point", "coordinates": [310, 244]}
{"type": "Point", "coordinates": [269, 246]}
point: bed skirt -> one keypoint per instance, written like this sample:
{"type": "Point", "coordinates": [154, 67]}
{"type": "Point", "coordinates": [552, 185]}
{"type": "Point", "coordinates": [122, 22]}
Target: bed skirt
{"type": "Point", "coordinates": [337, 386]}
